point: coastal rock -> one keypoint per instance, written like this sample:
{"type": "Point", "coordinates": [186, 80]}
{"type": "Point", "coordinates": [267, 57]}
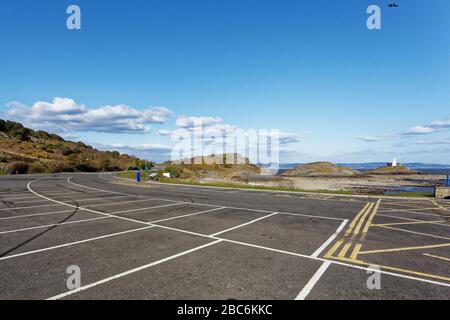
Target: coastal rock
{"type": "Point", "coordinates": [321, 169]}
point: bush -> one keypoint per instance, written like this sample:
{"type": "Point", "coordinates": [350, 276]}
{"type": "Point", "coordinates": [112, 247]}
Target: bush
{"type": "Point", "coordinates": [105, 165]}
{"type": "Point", "coordinates": [174, 171]}
{"type": "Point", "coordinates": [42, 135]}
{"type": "Point", "coordinates": [19, 167]}
{"type": "Point", "coordinates": [61, 167]}
{"type": "Point", "coordinates": [85, 167]}
{"type": "Point", "coordinates": [66, 151]}
{"type": "Point", "coordinates": [56, 137]}
{"type": "Point", "coordinates": [36, 168]}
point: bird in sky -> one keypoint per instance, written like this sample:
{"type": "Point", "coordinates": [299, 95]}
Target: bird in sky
{"type": "Point", "coordinates": [393, 5]}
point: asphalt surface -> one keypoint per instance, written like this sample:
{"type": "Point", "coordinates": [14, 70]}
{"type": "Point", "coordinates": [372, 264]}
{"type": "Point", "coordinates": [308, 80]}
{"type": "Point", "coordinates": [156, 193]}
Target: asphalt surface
{"type": "Point", "coordinates": [153, 241]}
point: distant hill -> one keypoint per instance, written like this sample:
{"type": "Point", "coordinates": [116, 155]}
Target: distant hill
{"type": "Point", "coordinates": [398, 170]}
{"type": "Point", "coordinates": [321, 169]}
{"type": "Point", "coordinates": [374, 165]}
{"type": "Point", "coordinates": [212, 167]}
{"type": "Point", "coordinates": [29, 151]}
{"type": "Point", "coordinates": [219, 159]}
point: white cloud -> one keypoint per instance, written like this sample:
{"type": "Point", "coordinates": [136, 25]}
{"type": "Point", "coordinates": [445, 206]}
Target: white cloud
{"type": "Point", "coordinates": [370, 138]}
{"type": "Point", "coordinates": [189, 122]}
{"type": "Point", "coordinates": [436, 126]}
{"type": "Point", "coordinates": [143, 146]}
{"type": "Point", "coordinates": [153, 152]}
{"type": "Point", "coordinates": [433, 141]}
{"type": "Point", "coordinates": [283, 137]}
{"type": "Point", "coordinates": [65, 115]}
{"type": "Point", "coordinates": [212, 130]}
{"type": "Point", "coordinates": [164, 132]}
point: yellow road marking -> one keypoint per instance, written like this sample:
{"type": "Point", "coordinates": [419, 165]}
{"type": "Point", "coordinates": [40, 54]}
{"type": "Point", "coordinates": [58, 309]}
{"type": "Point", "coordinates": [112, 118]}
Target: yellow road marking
{"type": "Point", "coordinates": [353, 223]}
{"type": "Point", "coordinates": [401, 218]}
{"type": "Point", "coordinates": [355, 252]}
{"type": "Point", "coordinates": [402, 223]}
{"type": "Point", "coordinates": [415, 232]}
{"type": "Point", "coordinates": [416, 273]}
{"type": "Point", "coordinates": [333, 249]}
{"type": "Point", "coordinates": [421, 205]}
{"type": "Point", "coordinates": [369, 222]}
{"type": "Point", "coordinates": [406, 248]}
{"type": "Point", "coordinates": [437, 257]}
{"type": "Point", "coordinates": [408, 210]}
{"type": "Point", "coordinates": [348, 231]}
{"type": "Point", "coordinates": [441, 207]}
{"type": "Point", "coordinates": [361, 221]}
{"type": "Point", "coordinates": [344, 249]}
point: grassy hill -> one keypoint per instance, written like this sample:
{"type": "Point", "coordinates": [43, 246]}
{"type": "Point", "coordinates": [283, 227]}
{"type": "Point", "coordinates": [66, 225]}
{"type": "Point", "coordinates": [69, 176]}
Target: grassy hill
{"type": "Point", "coordinates": [399, 170]}
{"type": "Point", "coordinates": [214, 167]}
{"type": "Point", "coordinates": [24, 150]}
{"type": "Point", "coordinates": [321, 169]}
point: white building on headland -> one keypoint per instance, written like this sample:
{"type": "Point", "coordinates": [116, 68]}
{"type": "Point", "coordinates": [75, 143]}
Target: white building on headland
{"type": "Point", "coordinates": [394, 163]}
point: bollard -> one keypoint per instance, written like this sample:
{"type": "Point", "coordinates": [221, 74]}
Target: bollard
{"type": "Point", "coordinates": [138, 175]}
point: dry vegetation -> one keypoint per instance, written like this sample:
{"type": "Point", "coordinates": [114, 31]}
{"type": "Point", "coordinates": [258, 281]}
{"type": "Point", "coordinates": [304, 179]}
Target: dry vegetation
{"type": "Point", "coordinates": [23, 150]}
{"type": "Point", "coordinates": [212, 168]}
{"type": "Point", "coordinates": [321, 169]}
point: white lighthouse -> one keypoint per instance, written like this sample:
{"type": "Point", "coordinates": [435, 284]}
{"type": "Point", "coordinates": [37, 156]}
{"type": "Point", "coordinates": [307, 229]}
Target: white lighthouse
{"type": "Point", "coordinates": [394, 162]}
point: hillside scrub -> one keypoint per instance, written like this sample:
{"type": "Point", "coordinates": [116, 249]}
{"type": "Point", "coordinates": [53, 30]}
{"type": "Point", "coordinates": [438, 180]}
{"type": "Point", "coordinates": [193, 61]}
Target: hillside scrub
{"type": "Point", "coordinates": [43, 152]}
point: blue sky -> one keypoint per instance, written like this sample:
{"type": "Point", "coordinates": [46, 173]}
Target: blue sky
{"type": "Point", "coordinates": [310, 69]}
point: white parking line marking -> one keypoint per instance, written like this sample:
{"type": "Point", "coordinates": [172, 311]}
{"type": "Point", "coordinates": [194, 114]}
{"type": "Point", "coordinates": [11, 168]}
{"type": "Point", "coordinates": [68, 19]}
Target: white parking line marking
{"type": "Point", "coordinates": [53, 225]}
{"type": "Point", "coordinates": [32, 196]}
{"type": "Point", "coordinates": [267, 248]}
{"type": "Point", "coordinates": [312, 282]}
{"type": "Point", "coordinates": [77, 200]}
{"type": "Point", "coordinates": [120, 275]}
{"type": "Point", "coordinates": [187, 215]}
{"type": "Point", "coordinates": [244, 224]}
{"type": "Point", "coordinates": [74, 243]}
{"type": "Point", "coordinates": [330, 239]}
{"type": "Point", "coordinates": [212, 205]}
{"type": "Point", "coordinates": [29, 207]}
{"type": "Point", "coordinates": [122, 202]}
{"type": "Point", "coordinates": [34, 215]}
{"type": "Point", "coordinates": [86, 187]}
{"type": "Point", "coordinates": [80, 208]}
{"type": "Point", "coordinates": [148, 208]}
{"type": "Point", "coordinates": [409, 211]}
{"type": "Point", "coordinates": [311, 216]}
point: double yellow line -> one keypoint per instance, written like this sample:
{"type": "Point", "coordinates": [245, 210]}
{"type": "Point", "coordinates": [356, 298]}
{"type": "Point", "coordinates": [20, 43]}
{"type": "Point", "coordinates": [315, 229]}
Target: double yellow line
{"type": "Point", "coordinates": [355, 234]}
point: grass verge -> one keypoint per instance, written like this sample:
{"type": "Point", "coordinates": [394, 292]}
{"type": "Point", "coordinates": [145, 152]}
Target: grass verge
{"type": "Point", "coordinates": [132, 176]}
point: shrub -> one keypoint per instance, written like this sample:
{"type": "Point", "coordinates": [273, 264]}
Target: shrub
{"type": "Point", "coordinates": [66, 151]}
{"type": "Point", "coordinates": [18, 167]}
{"type": "Point", "coordinates": [105, 165]}
{"type": "Point", "coordinates": [85, 167]}
{"type": "Point", "coordinates": [36, 168]}
{"type": "Point", "coordinates": [174, 171]}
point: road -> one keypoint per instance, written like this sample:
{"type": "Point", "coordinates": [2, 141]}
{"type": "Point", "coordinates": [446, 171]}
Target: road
{"type": "Point", "coordinates": [95, 236]}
